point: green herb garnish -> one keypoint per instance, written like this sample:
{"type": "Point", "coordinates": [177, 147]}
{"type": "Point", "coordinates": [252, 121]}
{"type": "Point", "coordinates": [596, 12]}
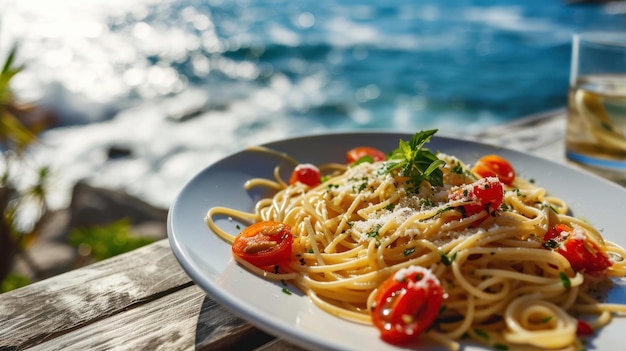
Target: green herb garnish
{"type": "Point", "coordinates": [427, 202]}
{"type": "Point", "coordinates": [331, 186]}
{"type": "Point", "coordinates": [483, 334]}
{"type": "Point", "coordinates": [442, 309]}
{"type": "Point", "coordinates": [440, 211]}
{"type": "Point", "coordinates": [447, 260]}
{"type": "Point", "coordinates": [565, 280]}
{"type": "Point", "coordinates": [414, 161]}
{"type": "Point", "coordinates": [551, 244]}
{"type": "Point", "coordinates": [374, 232]}
{"type": "Point", "coordinates": [364, 159]}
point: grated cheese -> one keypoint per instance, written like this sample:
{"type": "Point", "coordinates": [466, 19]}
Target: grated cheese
{"type": "Point", "coordinates": [427, 276]}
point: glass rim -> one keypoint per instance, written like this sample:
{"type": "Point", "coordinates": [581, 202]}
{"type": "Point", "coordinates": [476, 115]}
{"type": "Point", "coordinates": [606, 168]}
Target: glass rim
{"type": "Point", "coordinates": [602, 38]}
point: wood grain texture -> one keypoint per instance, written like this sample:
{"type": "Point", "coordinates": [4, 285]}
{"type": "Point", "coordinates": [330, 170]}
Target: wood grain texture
{"type": "Point", "coordinates": [53, 307]}
{"type": "Point", "coordinates": [183, 320]}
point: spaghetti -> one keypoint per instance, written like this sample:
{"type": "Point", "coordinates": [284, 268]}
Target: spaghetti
{"type": "Point", "coordinates": [507, 281]}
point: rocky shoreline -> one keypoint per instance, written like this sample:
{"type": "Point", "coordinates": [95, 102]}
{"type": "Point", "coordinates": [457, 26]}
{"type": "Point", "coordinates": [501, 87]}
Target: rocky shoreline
{"type": "Point", "coordinates": [51, 253]}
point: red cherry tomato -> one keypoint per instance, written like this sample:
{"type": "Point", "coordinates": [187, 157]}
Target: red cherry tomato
{"type": "Point", "coordinates": [264, 244]}
{"type": "Point", "coordinates": [406, 304]}
{"type": "Point", "coordinates": [484, 194]}
{"type": "Point", "coordinates": [495, 166]}
{"type": "Point", "coordinates": [556, 232]}
{"type": "Point", "coordinates": [583, 328]}
{"type": "Point", "coordinates": [583, 254]}
{"type": "Point", "coordinates": [306, 173]}
{"type": "Point", "coordinates": [362, 151]}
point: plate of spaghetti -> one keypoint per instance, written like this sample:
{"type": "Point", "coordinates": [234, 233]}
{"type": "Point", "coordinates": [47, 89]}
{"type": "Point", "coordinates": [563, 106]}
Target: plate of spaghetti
{"type": "Point", "coordinates": [393, 241]}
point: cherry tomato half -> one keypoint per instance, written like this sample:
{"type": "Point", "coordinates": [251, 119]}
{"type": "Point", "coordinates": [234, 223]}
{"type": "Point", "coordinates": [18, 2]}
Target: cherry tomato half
{"type": "Point", "coordinates": [495, 166]}
{"type": "Point", "coordinates": [583, 328]}
{"type": "Point", "coordinates": [306, 173]}
{"type": "Point", "coordinates": [406, 304]}
{"type": "Point", "coordinates": [362, 151]}
{"type": "Point", "coordinates": [583, 254]}
{"type": "Point", "coordinates": [264, 244]}
{"type": "Point", "coordinates": [484, 194]}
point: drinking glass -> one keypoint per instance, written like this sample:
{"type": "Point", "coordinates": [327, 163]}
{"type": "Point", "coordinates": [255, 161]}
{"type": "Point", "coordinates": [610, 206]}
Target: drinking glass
{"type": "Point", "coordinates": [596, 116]}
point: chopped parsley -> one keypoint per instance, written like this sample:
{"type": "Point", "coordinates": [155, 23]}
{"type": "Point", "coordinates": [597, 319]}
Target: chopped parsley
{"type": "Point", "coordinates": [286, 291]}
{"type": "Point", "coordinates": [427, 202]}
{"type": "Point", "coordinates": [483, 334]}
{"type": "Point", "coordinates": [332, 186]}
{"type": "Point", "coordinates": [565, 280]}
{"type": "Point", "coordinates": [458, 169]}
{"type": "Point", "coordinates": [518, 192]}
{"type": "Point", "coordinates": [440, 211]}
{"type": "Point", "coordinates": [374, 232]}
{"type": "Point", "coordinates": [408, 252]}
{"type": "Point", "coordinates": [447, 260]}
{"type": "Point", "coordinates": [551, 244]}
{"type": "Point", "coordinates": [362, 186]}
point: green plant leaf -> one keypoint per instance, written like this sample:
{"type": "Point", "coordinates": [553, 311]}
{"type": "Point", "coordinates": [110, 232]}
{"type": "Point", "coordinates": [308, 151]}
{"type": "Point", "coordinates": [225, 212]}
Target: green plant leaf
{"type": "Point", "coordinates": [411, 159]}
{"type": "Point", "coordinates": [12, 282]}
{"type": "Point", "coordinates": [103, 242]}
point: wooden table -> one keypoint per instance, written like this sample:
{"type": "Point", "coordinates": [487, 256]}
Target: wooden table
{"type": "Point", "coordinates": [143, 300]}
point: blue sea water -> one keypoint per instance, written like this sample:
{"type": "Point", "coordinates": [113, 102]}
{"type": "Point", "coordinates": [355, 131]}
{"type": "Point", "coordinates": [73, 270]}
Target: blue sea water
{"type": "Point", "coordinates": [182, 83]}
{"type": "Point", "coordinates": [340, 64]}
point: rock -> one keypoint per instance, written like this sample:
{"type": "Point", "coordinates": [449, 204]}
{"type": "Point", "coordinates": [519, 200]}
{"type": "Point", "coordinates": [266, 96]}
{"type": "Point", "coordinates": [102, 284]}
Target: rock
{"type": "Point", "coordinates": [51, 254]}
{"type": "Point", "coordinates": [93, 206]}
{"type": "Point", "coordinates": [118, 151]}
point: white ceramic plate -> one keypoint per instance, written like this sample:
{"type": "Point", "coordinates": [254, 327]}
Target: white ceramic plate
{"type": "Point", "coordinates": [207, 259]}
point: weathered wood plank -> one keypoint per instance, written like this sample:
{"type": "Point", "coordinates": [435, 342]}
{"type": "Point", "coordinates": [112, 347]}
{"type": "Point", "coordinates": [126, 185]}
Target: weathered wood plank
{"type": "Point", "coordinates": [47, 309]}
{"type": "Point", "coordinates": [186, 319]}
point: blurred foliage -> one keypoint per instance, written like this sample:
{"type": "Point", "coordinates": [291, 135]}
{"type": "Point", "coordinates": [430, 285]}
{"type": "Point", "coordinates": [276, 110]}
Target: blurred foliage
{"type": "Point", "coordinates": [14, 135]}
{"type": "Point", "coordinates": [17, 133]}
{"type": "Point", "coordinates": [13, 281]}
{"type": "Point", "coordinates": [102, 242]}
